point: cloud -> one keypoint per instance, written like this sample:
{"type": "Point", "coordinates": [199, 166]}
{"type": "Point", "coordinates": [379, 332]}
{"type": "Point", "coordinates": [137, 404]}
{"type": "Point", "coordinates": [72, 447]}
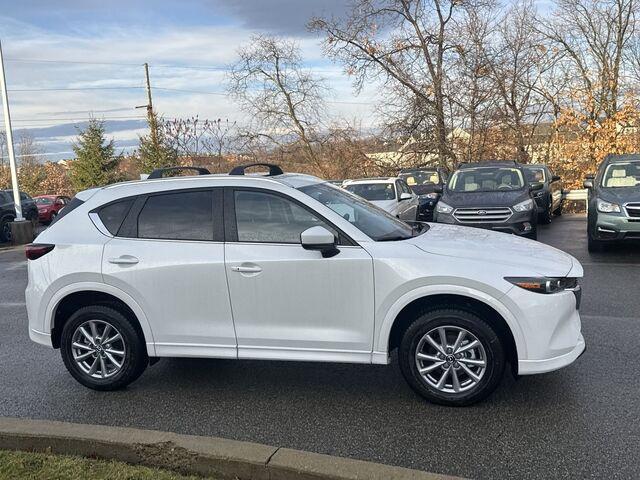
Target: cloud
{"type": "Point", "coordinates": [286, 17]}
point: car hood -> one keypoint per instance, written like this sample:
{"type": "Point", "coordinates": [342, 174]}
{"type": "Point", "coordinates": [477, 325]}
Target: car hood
{"type": "Point", "coordinates": [620, 195]}
{"type": "Point", "coordinates": [527, 256]}
{"type": "Point", "coordinates": [387, 205]}
{"type": "Point", "coordinates": [484, 199]}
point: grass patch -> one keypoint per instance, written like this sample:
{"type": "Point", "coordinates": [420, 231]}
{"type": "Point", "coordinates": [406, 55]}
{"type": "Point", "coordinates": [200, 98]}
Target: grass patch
{"type": "Point", "coordinates": [42, 466]}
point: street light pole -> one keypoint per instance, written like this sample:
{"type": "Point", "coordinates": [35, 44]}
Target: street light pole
{"type": "Point", "coordinates": [7, 125]}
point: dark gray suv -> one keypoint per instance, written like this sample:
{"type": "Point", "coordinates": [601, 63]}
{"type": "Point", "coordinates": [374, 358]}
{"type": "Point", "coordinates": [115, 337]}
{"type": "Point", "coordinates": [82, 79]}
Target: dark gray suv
{"type": "Point", "coordinates": [614, 201]}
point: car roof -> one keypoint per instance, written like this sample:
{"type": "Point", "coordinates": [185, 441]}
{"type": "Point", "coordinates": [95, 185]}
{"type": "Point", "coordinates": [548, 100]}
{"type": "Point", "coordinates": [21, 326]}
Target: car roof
{"type": "Point", "coordinates": [372, 180]}
{"type": "Point", "coordinates": [492, 163]}
{"type": "Point", "coordinates": [621, 158]}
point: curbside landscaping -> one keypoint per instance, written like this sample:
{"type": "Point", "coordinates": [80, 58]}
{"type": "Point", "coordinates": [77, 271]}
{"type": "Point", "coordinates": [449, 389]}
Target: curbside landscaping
{"type": "Point", "coordinates": [189, 454]}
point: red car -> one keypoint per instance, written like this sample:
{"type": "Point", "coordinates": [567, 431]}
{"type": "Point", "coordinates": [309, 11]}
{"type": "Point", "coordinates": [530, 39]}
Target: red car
{"type": "Point", "coordinates": [49, 206]}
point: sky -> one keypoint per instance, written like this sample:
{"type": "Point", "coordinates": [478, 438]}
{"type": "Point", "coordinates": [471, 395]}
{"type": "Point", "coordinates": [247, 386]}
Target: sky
{"type": "Point", "coordinates": [67, 60]}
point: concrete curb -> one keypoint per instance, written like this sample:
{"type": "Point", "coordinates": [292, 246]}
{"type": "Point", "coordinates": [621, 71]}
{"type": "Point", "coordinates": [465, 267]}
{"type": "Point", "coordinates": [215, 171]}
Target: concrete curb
{"type": "Point", "coordinates": [189, 454]}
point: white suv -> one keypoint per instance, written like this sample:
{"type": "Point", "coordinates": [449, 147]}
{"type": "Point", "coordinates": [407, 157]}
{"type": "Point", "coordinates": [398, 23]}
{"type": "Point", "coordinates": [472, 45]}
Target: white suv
{"type": "Point", "coordinates": [288, 267]}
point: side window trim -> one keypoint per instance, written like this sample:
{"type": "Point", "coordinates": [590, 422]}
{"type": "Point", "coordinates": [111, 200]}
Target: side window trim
{"type": "Point", "coordinates": [231, 226]}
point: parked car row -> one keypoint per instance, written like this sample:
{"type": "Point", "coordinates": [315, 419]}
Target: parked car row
{"type": "Point", "coordinates": [43, 208]}
{"type": "Point", "coordinates": [502, 196]}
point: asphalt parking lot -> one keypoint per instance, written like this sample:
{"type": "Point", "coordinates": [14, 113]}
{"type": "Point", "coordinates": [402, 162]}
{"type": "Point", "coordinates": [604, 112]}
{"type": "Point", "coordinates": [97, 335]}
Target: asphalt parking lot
{"type": "Point", "coordinates": [582, 421]}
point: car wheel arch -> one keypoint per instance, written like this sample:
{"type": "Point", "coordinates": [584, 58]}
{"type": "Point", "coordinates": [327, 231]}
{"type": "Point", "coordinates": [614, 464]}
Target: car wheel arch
{"type": "Point", "coordinates": [77, 296]}
{"type": "Point", "coordinates": [496, 315]}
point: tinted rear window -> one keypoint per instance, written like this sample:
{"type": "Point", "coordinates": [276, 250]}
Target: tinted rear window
{"type": "Point", "coordinates": [113, 215]}
{"type": "Point", "coordinates": [178, 216]}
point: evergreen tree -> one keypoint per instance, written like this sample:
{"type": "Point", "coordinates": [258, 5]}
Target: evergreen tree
{"type": "Point", "coordinates": [156, 149]}
{"type": "Point", "coordinates": [96, 162]}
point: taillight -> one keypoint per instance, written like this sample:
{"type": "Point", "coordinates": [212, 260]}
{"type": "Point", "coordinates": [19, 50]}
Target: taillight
{"type": "Point", "coordinates": [37, 250]}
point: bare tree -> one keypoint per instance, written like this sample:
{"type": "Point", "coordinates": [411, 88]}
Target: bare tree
{"type": "Point", "coordinates": [593, 36]}
{"type": "Point", "coordinates": [407, 44]}
{"type": "Point", "coordinates": [284, 101]}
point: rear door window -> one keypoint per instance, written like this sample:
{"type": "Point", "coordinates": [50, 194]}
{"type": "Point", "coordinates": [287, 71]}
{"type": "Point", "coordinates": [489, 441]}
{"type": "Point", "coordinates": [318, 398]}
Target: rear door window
{"type": "Point", "coordinates": [186, 215]}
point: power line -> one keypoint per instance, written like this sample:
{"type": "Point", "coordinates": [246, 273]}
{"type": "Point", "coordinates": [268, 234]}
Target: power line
{"type": "Point", "coordinates": [58, 89]}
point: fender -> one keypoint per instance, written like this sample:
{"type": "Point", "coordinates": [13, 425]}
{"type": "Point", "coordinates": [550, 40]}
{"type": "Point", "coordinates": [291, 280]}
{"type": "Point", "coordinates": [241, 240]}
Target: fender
{"type": "Point", "coordinates": [381, 345]}
{"type": "Point", "coordinates": [104, 288]}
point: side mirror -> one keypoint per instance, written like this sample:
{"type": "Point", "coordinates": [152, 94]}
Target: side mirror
{"type": "Point", "coordinates": [587, 184]}
{"type": "Point", "coordinates": [321, 239]}
{"type": "Point", "coordinates": [555, 178]}
{"type": "Point", "coordinates": [59, 202]}
{"type": "Point", "coordinates": [438, 189]}
{"type": "Point", "coordinates": [405, 196]}
{"type": "Point", "coordinates": [534, 187]}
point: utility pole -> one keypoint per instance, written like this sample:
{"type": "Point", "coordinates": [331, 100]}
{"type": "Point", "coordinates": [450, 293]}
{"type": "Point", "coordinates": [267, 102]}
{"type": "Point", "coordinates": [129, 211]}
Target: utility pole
{"type": "Point", "coordinates": [151, 118]}
{"type": "Point", "coordinates": [7, 125]}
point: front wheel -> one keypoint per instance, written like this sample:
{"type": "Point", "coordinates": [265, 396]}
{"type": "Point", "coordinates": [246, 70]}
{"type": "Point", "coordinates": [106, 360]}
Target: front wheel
{"type": "Point", "coordinates": [594, 246]}
{"type": "Point", "coordinates": [101, 348]}
{"type": "Point", "coordinates": [451, 357]}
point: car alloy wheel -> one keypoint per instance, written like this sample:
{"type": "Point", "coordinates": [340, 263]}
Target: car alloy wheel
{"type": "Point", "coordinates": [451, 359]}
{"type": "Point", "coordinates": [98, 349]}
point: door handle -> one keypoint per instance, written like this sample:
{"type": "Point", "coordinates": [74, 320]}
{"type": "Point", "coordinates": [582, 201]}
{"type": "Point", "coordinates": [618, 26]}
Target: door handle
{"type": "Point", "coordinates": [124, 260]}
{"type": "Point", "coordinates": [245, 269]}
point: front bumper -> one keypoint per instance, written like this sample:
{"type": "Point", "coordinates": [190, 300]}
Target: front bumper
{"type": "Point", "coordinates": [532, 367]}
{"type": "Point", "coordinates": [520, 223]}
{"type": "Point", "coordinates": [550, 328]}
{"type": "Point", "coordinates": [611, 227]}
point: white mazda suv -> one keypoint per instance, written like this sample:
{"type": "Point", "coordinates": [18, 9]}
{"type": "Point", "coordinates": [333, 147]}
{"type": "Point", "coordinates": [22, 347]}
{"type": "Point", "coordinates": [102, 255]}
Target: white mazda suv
{"type": "Point", "coordinates": [289, 267]}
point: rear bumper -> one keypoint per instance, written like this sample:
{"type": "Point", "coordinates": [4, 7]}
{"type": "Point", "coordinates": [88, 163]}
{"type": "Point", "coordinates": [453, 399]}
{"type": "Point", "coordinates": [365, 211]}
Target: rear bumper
{"type": "Point", "coordinates": [40, 337]}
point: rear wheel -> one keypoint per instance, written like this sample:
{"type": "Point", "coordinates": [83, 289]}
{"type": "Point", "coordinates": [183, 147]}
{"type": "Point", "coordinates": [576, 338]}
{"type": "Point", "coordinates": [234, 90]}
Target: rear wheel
{"type": "Point", "coordinates": [101, 348]}
{"type": "Point", "coordinates": [451, 357]}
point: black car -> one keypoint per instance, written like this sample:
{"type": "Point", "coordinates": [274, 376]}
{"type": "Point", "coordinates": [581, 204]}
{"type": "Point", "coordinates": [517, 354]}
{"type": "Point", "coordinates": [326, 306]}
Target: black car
{"type": "Point", "coordinates": [550, 198]}
{"type": "Point", "coordinates": [426, 182]}
{"type": "Point", "coordinates": [614, 201]}
{"type": "Point", "coordinates": [8, 212]}
{"type": "Point", "coordinates": [492, 195]}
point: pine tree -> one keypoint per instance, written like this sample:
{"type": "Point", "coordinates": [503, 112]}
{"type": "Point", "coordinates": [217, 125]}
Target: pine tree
{"type": "Point", "coordinates": [96, 162]}
{"type": "Point", "coordinates": [156, 150]}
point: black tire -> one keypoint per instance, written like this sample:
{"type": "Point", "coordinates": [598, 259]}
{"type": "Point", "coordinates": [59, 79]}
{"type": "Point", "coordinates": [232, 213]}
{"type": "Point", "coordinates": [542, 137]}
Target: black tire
{"type": "Point", "coordinates": [545, 217]}
{"type": "Point", "coordinates": [135, 359]}
{"type": "Point", "coordinates": [593, 245]}
{"type": "Point", "coordinates": [558, 211]}
{"type": "Point", "coordinates": [426, 322]}
{"type": "Point", "coordinates": [5, 230]}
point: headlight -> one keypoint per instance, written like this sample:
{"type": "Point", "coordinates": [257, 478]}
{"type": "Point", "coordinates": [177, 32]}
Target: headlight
{"type": "Point", "coordinates": [545, 284]}
{"type": "Point", "coordinates": [523, 206]}
{"type": "Point", "coordinates": [443, 207]}
{"type": "Point", "coordinates": [607, 207]}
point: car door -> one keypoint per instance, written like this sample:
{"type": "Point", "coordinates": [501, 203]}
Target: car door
{"type": "Point", "coordinates": [288, 302]}
{"type": "Point", "coordinates": [168, 255]}
{"type": "Point", "coordinates": [407, 208]}
{"type": "Point", "coordinates": [555, 188]}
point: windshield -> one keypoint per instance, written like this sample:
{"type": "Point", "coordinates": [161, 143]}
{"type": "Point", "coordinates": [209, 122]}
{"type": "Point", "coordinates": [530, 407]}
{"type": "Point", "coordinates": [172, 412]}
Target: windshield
{"type": "Point", "coordinates": [620, 175]}
{"type": "Point", "coordinates": [43, 201]}
{"type": "Point", "coordinates": [486, 179]}
{"type": "Point", "coordinates": [373, 221]}
{"type": "Point", "coordinates": [534, 174]}
{"type": "Point", "coordinates": [373, 191]}
{"type": "Point", "coordinates": [423, 177]}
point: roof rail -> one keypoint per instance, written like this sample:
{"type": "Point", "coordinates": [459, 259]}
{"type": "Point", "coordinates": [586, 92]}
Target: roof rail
{"type": "Point", "coordinates": [159, 172]}
{"type": "Point", "coordinates": [273, 169]}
